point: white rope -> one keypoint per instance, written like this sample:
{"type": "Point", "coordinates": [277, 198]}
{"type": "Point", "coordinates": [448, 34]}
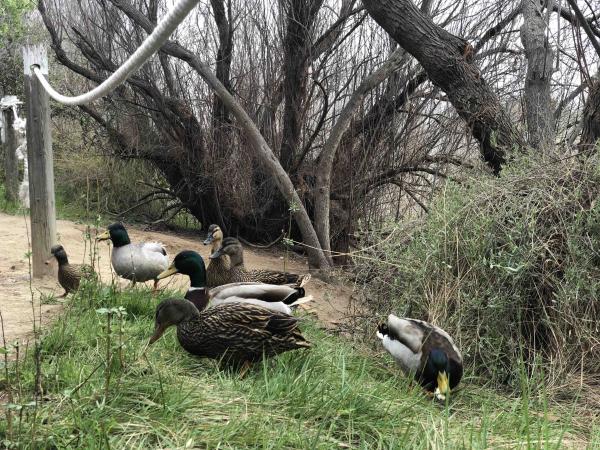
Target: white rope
{"type": "Point", "coordinates": [152, 43]}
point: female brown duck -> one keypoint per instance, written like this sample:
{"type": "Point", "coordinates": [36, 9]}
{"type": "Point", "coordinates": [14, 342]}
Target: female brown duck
{"type": "Point", "coordinates": [238, 272]}
{"type": "Point", "coordinates": [69, 275]}
{"type": "Point", "coordinates": [238, 333]}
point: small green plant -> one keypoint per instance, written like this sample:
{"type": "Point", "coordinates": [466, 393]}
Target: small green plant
{"type": "Point", "coordinates": [119, 313]}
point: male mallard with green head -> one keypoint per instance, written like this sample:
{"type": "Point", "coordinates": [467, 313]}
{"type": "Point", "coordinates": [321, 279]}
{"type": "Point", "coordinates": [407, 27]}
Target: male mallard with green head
{"type": "Point", "coordinates": [233, 248]}
{"type": "Point", "coordinates": [135, 262]}
{"type": "Point", "coordinates": [425, 351]}
{"type": "Point", "coordinates": [238, 333]}
{"type": "Point", "coordinates": [69, 275]}
{"type": "Point", "coordinates": [280, 298]}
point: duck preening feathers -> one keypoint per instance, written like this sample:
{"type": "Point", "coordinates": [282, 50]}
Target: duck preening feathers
{"type": "Point", "coordinates": [425, 351]}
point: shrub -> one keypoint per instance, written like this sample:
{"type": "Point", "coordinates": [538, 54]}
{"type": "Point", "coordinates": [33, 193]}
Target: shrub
{"type": "Point", "coordinates": [510, 266]}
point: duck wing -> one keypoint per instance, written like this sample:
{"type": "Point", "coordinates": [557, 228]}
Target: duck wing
{"type": "Point", "coordinates": [241, 331]}
{"type": "Point", "coordinates": [276, 277]}
{"type": "Point", "coordinates": [142, 261]}
{"type": "Point", "coordinates": [259, 291]}
{"type": "Point", "coordinates": [155, 247]}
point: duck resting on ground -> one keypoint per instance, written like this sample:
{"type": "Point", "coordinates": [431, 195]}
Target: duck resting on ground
{"type": "Point", "coordinates": [278, 298]}
{"type": "Point", "coordinates": [135, 262]}
{"type": "Point", "coordinates": [69, 275]}
{"type": "Point", "coordinates": [218, 269]}
{"type": "Point", "coordinates": [425, 351]}
{"type": "Point", "coordinates": [233, 248]}
{"type": "Point", "coordinates": [238, 333]}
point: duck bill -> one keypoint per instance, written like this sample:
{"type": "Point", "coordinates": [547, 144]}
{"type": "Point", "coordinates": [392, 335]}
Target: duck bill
{"type": "Point", "coordinates": [209, 239]}
{"type": "Point", "coordinates": [172, 270]}
{"type": "Point", "coordinates": [216, 254]}
{"type": "Point", "coordinates": [49, 260]}
{"type": "Point", "coordinates": [158, 332]}
{"type": "Point", "coordinates": [443, 386]}
{"type": "Point", "coordinates": [103, 237]}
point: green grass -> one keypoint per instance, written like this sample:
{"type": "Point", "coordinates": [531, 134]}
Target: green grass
{"type": "Point", "coordinates": [6, 206]}
{"type": "Point", "coordinates": [336, 395]}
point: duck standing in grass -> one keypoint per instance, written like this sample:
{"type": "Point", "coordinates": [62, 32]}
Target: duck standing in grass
{"type": "Point", "coordinates": [218, 271]}
{"type": "Point", "coordinates": [238, 333]}
{"type": "Point", "coordinates": [233, 248]}
{"type": "Point", "coordinates": [277, 298]}
{"type": "Point", "coordinates": [425, 351]}
{"type": "Point", "coordinates": [69, 275]}
{"type": "Point", "coordinates": [136, 262]}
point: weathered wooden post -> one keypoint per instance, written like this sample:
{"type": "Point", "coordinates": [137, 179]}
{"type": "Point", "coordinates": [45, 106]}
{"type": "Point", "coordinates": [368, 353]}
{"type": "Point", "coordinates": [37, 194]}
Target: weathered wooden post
{"type": "Point", "coordinates": [39, 157]}
{"type": "Point", "coordinates": [11, 167]}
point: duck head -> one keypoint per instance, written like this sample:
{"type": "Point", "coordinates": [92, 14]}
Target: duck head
{"type": "Point", "coordinates": [438, 366]}
{"type": "Point", "coordinates": [214, 237]}
{"type": "Point", "coordinates": [190, 263]}
{"type": "Point", "coordinates": [232, 248]}
{"type": "Point", "coordinates": [171, 312]}
{"type": "Point", "coordinates": [58, 252]}
{"type": "Point", "coordinates": [116, 233]}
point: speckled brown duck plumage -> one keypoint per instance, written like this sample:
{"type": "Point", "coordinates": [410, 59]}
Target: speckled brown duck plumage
{"type": "Point", "coordinates": [218, 271]}
{"type": "Point", "coordinates": [238, 333]}
{"type": "Point", "coordinates": [238, 273]}
{"type": "Point", "coordinates": [69, 275]}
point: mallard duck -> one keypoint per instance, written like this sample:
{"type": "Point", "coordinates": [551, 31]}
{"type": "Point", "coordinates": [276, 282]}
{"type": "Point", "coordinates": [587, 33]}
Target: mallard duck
{"type": "Point", "coordinates": [278, 298]}
{"type": "Point", "coordinates": [218, 270]}
{"type": "Point", "coordinates": [135, 262]}
{"type": "Point", "coordinates": [424, 350]}
{"type": "Point", "coordinates": [69, 275]}
{"type": "Point", "coordinates": [232, 248]}
{"type": "Point", "coordinates": [239, 333]}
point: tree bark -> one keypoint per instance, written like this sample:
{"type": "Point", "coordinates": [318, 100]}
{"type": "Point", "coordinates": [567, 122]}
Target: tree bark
{"type": "Point", "coordinates": [11, 167]}
{"type": "Point", "coordinates": [327, 156]}
{"type": "Point", "coordinates": [301, 15]}
{"type": "Point", "coordinates": [447, 59]}
{"type": "Point", "coordinates": [221, 119]}
{"type": "Point", "coordinates": [538, 101]}
{"type": "Point", "coordinates": [591, 118]}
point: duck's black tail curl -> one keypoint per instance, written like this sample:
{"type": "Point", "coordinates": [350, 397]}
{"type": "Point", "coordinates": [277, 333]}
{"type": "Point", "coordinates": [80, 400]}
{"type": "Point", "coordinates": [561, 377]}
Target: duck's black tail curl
{"type": "Point", "coordinates": [382, 328]}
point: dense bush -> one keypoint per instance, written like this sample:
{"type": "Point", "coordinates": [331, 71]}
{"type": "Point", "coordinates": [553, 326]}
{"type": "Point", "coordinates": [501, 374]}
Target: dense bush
{"type": "Point", "coordinates": [91, 181]}
{"type": "Point", "coordinates": [510, 266]}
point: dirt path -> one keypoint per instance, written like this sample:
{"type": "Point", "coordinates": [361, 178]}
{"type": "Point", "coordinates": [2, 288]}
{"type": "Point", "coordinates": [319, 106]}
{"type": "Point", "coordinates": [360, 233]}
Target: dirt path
{"type": "Point", "coordinates": [330, 305]}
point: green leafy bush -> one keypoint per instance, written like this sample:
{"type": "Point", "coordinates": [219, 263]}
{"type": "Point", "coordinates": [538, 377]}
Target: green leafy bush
{"type": "Point", "coordinates": [510, 266]}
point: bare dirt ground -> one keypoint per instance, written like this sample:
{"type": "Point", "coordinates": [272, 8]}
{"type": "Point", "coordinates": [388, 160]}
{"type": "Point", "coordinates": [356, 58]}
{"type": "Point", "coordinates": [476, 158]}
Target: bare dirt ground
{"type": "Point", "coordinates": [16, 290]}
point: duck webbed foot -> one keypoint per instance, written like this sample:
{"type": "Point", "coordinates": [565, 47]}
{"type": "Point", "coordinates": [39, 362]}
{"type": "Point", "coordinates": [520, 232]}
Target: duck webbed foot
{"type": "Point", "coordinates": [245, 368]}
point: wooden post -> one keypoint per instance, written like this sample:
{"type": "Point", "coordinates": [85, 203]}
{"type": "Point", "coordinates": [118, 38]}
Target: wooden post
{"type": "Point", "coordinates": [11, 167]}
{"type": "Point", "coordinates": [39, 157]}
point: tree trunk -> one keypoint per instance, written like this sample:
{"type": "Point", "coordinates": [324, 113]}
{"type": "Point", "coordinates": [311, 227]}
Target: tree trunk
{"type": "Point", "coordinates": [591, 118]}
{"type": "Point", "coordinates": [220, 115]}
{"type": "Point", "coordinates": [11, 167]}
{"type": "Point", "coordinates": [327, 156]}
{"type": "Point", "coordinates": [538, 102]}
{"type": "Point", "coordinates": [447, 59]}
{"type": "Point", "coordinates": [297, 42]}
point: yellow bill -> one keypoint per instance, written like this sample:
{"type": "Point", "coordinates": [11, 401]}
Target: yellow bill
{"type": "Point", "coordinates": [172, 270]}
{"type": "Point", "coordinates": [443, 386]}
{"type": "Point", "coordinates": [104, 236]}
